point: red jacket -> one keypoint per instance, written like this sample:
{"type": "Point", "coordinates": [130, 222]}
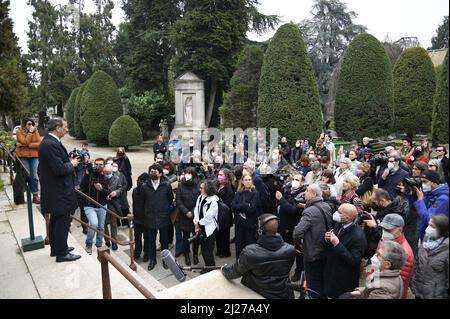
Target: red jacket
{"type": "Point", "coordinates": [406, 270]}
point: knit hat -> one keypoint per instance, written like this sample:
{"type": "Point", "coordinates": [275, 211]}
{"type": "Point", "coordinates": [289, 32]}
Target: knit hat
{"type": "Point", "coordinates": [432, 176]}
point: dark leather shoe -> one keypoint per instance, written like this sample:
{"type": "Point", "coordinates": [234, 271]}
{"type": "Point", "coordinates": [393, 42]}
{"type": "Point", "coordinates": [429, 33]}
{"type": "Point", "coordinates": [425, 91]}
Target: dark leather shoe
{"type": "Point", "coordinates": [108, 243]}
{"type": "Point", "coordinates": [68, 257]}
{"type": "Point", "coordinates": [165, 265]}
{"type": "Point", "coordinates": [187, 260]}
{"type": "Point", "coordinates": [114, 246]}
{"type": "Point", "coordinates": [151, 265]}
{"type": "Point", "coordinates": [145, 258]}
{"type": "Point", "coordinates": [69, 249]}
{"type": "Point", "coordinates": [195, 259]}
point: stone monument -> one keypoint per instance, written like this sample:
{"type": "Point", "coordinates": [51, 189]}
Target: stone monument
{"type": "Point", "coordinates": [189, 105]}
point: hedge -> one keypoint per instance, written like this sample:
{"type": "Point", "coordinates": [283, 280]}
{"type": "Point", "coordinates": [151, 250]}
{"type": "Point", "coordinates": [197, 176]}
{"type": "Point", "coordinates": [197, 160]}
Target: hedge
{"type": "Point", "coordinates": [125, 131]}
{"type": "Point", "coordinates": [439, 129]}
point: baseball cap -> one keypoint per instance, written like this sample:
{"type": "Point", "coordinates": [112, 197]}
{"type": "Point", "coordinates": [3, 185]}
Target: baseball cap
{"type": "Point", "coordinates": [432, 176]}
{"type": "Point", "coordinates": [392, 221]}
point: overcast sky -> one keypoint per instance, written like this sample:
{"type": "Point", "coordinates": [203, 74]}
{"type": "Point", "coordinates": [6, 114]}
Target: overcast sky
{"type": "Point", "coordinates": [398, 18]}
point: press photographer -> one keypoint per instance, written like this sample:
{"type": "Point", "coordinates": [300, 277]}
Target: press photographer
{"type": "Point", "coordinates": [291, 202]}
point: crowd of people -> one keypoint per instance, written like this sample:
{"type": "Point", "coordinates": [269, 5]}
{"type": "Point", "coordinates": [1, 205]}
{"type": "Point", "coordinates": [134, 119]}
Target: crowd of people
{"type": "Point", "coordinates": [334, 216]}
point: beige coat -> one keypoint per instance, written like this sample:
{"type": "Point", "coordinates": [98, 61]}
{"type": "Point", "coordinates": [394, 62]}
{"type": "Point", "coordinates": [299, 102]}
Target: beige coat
{"type": "Point", "coordinates": [384, 285]}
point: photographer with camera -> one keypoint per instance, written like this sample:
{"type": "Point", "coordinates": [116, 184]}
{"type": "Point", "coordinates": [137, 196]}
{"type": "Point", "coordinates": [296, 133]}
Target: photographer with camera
{"type": "Point", "coordinates": [265, 265]}
{"type": "Point", "coordinates": [432, 199]}
{"type": "Point", "coordinates": [95, 185]}
{"type": "Point", "coordinates": [290, 207]}
{"type": "Point", "coordinates": [345, 249]}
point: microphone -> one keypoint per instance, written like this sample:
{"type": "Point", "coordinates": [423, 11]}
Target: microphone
{"type": "Point", "coordinates": [170, 261]}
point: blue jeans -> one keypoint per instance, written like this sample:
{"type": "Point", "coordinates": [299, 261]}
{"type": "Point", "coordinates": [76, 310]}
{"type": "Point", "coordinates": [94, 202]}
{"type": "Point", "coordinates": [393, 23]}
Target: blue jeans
{"type": "Point", "coordinates": [31, 164]}
{"type": "Point", "coordinates": [96, 217]}
{"type": "Point", "coordinates": [179, 240]}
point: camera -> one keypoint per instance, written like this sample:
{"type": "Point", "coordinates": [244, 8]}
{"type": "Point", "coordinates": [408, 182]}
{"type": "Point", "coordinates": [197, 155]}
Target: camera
{"type": "Point", "coordinates": [362, 217]}
{"type": "Point", "coordinates": [75, 153]}
{"type": "Point", "coordinates": [413, 182]}
{"type": "Point", "coordinates": [280, 179]}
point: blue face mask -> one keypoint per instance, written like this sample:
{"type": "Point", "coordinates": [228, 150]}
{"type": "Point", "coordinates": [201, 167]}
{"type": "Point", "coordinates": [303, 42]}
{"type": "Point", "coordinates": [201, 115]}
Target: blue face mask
{"type": "Point", "coordinates": [108, 176]}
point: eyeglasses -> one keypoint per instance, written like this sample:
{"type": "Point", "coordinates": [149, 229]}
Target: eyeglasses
{"type": "Point", "coordinates": [439, 150]}
{"type": "Point", "coordinates": [29, 123]}
{"type": "Point", "coordinates": [430, 165]}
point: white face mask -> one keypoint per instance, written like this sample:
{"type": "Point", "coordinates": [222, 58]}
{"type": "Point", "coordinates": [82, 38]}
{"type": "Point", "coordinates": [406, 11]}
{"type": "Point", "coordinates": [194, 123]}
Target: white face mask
{"type": "Point", "coordinates": [426, 188]}
{"type": "Point", "coordinates": [297, 144]}
{"type": "Point", "coordinates": [387, 236]}
{"type": "Point", "coordinates": [115, 169]}
{"type": "Point", "coordinates": [166, 172]}
{"type": "Point", "coordinates": [337, 217]}
{"type": "Point", "coordinates": [187, 177]}
{"type": "Point", "coordinates": [431, 232]}
{"type": "Point", "coordinates": [391, 166]}
{"type": "Point", "coordinates": [295, 184]}
{"type": "Point", "coordinates": [311, 156]}
{"type": "Point", "coordinates": [375, 262]}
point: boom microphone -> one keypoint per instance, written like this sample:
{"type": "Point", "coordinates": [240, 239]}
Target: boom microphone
{"type": "Point", "coordinates": [170, 261]}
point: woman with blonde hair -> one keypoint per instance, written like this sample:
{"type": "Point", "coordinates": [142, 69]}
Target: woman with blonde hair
{"type": "Point", "coordinates": [27, 145]}
{"type": "Point", "coordinates": [349, 195]}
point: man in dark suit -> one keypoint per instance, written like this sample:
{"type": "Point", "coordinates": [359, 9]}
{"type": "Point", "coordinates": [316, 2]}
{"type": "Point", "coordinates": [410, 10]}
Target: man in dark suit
{"type": "Point", "coordinates": [56, 171]}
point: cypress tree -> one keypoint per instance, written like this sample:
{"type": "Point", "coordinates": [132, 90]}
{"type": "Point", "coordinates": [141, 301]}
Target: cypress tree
{"type": "Point", "coordinates": [240, 104]}
{"type": "Point", "coordinates": [439, 129]}
{"type": "Point", "coordinates": [364, 94]}
{"type": "Point", "coordinates": [100, 106]}
{"type": "Point", "coordinates": [288, 96]}
{"type": "Point", "coordinates": [414, 87]}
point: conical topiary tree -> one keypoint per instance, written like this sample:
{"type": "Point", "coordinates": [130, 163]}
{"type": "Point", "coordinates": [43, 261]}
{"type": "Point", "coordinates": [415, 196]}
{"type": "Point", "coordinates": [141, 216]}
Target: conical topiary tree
{"type": "Point", "coordinates": [100, 106]}
{"type": "Point", "coordinates": [364, 93]}
{"type": "Point", "coordinates": [288, 96]}
{"type": "Point", "coordinates": [241, 102]}
{"type": "Point", "coordinates": [439, 129]}
{"type": "Point", "coordinates": [78, 127]}
{"type": "Point", "coordinates": [414, 87]}
{"type": "Point", "coordinates": [125, 131]}
{"type": "Point", "coordinates": [70, 111]}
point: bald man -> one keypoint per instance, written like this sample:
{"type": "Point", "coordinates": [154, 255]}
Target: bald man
{"type": "Point", "coordinates": [346, 246]}
{"type": "Point", "coordinates": [265, 265]}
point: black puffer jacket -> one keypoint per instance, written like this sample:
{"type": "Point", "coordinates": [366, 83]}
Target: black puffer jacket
{"type": "Point", "coordinates": [187, 194]}
{"type": "Point", "coordinates": [265, 267]}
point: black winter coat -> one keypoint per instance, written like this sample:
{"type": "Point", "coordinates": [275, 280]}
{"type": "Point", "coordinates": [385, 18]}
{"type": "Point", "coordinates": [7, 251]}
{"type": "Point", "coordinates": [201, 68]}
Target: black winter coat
{"type": "Point", "coordinates": [289, 214]}
{"type": "Point", "coordinates": [247, 203]}
{"type": "Point", "coordinates": [187, 195]}
{"type": "Point", "coordinates": [56, 174]}
{"type": "Point", "coordinates": [157, 205]}
{"type": "Point", "coordinates": [125, 168]}
{"type": "Point", "coordinates": [265, 267]}
{"type": "Point", "coordinates": [296, 154]}
{"type": "Point", "coordinates": [138, 205]}
{"type": "Point", "coordinates": [342, 268]}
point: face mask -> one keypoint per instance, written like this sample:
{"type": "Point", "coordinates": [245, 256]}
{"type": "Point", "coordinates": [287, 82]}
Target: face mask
{"type": "Point", "coordinates": [297, 144]}
{"type": "Point", "coordinates": [154, 176]}
{"type": "Point", "coordinates": [375, 262]}
{"type": "Point", "coordinates": [431, 232]}
{"type": "Point", "coordinates": [108, 176]}
{"type": "Point", "coordinates": [337, 217]}
{"type": "Point", "coordinates": [377, 207]}
{"type": "Point", "coordinates": [387, 236]}
{"type": "Point", "coordinates": [358, 172]}
{"type": "Point", "coordinates": [187, 177]}
{"type": "Point", "coordinates": [115, 169]}
{"type": "Point", "coordinates": [220, 179]}
{"type": "Point", "coordinates": [312, 157]}
{"type": "Point", "coordinates": [391, 166]}
{"type": "Point", "coordinates": [166, 172]}
{"type": "Point", "coordinates": [295, 184]}
{"type": "Point", "coordinates": [426, 188]}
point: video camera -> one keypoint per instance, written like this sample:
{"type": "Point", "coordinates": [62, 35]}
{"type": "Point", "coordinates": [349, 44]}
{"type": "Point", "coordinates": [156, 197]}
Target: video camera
{"type": "Point", "coordinates": [413, 182]}
{"type": "Point", "coordinates": [362, 217]}
{"type": "Point", "coordinates": [94, 170]}
{"type": "Point", "coordinates": [76, 153]}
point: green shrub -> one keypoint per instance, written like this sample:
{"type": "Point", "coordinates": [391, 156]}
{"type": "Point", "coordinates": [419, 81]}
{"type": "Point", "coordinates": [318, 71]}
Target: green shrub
{"type": "Point", "coordinates": [78, 126]}
{"type": "Point", "coordinates": [364, 93]}
{"type": "Point", "coordinates": [439, 129]}
{"type": "Point", "coordinates": [241, 102]}
{"type": "Point", "coordinates": [125, 131]}
{"type": "Point", "coordinates": [70, 111]}
{"type": "Point", "coordinates": [148, 110]}
{"type": "Point", "coordinates": [288, 96]}
{"type": "Point", "coordinates": [414, 87]}
{"type": "Point", "coordinates": [100, 107]}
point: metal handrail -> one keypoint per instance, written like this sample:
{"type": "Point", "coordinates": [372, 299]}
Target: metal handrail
{"type": "Point", "coordinates": [105, 257]}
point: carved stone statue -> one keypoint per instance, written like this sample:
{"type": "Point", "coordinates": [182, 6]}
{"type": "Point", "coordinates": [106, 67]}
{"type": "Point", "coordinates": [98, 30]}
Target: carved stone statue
{"type": "Point", "coordinates": [188, 106]}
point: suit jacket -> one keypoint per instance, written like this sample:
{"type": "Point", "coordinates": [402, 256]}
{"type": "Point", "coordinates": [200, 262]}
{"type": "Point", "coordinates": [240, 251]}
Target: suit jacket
{"type": "Point", "coordinates": [57, 178]}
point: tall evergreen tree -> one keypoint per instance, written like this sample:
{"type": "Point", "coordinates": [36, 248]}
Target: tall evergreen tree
{"type": "Point", "coordinates": [327, 34]}
{"type": "Point", "coordinates": [440, 40]}
{"type": "Point", "coordinates": [288, 97]}
{"type": "Point", "coordinates": [208, 38]}
{"type": "Point", "coordinates": [414, 87]}
{"type": "Point", "coordinates": [364, 95]}
{"type": "Point", "coordinates": [13, 92]}
{"type": "Point", "coordinates": [241, 102]}
{"type": "Point", "coordinates": [439, 130]}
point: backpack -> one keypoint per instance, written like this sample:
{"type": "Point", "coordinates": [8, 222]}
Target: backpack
{"type": "Point", "coordinates": [223, 215]}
